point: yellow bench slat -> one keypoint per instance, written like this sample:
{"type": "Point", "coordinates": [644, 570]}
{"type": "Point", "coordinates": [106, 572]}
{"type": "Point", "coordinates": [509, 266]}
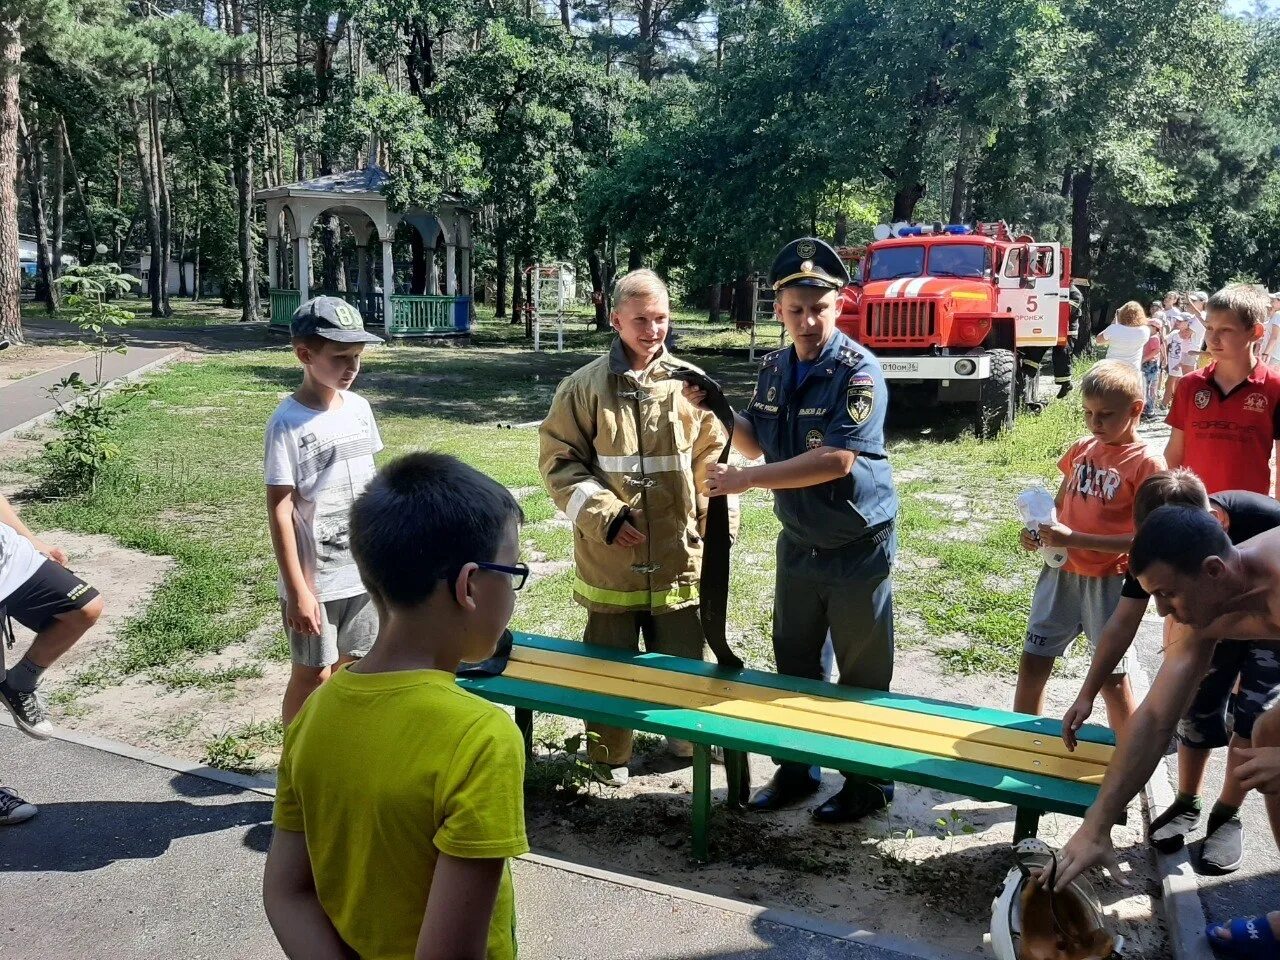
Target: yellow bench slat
{"type": "Point", "coordinates": [1092, 753]}
{"type": "Point", "coordinates": [783, 716]}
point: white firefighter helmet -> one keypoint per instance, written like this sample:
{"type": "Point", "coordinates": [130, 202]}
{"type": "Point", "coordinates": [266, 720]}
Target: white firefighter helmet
{"type": "Point", "coordinates": [1028, 922]}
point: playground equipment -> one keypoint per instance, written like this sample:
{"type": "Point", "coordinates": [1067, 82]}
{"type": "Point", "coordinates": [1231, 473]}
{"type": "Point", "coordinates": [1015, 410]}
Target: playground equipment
{"type": "Point", "coordinates": [554, 286]}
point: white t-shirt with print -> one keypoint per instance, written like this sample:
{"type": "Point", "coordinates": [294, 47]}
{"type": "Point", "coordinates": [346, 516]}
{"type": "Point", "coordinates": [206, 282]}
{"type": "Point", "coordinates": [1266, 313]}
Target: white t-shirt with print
{"type": "Point", "coordinates": [327, 457]}
{"type": "Point", "coordinates": [19, 560]}
{"type": "Point", "coordinates": [1197, 334]}
{"type": "Point", "coordinates": [1125, 343]}
{"type": "Point", "coordinates": [1177, 350]}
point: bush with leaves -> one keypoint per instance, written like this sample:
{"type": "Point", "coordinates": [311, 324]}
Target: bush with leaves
{"type": "Point", "coordinates": [76, 458]}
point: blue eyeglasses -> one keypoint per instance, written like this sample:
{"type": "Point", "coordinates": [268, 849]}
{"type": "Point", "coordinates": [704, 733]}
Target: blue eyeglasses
{"type": "Point", "coordinates": [518, 574]}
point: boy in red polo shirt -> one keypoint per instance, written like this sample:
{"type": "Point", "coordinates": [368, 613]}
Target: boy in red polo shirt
{"type": "Point", "coordinates": [1226, 417]}
{"type": "Point", "coordinates": [1226, 420]}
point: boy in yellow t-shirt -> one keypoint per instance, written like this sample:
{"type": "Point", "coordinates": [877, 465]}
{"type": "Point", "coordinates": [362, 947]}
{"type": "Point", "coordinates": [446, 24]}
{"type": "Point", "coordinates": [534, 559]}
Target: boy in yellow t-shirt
{"type": "Point", "coordinates": [400, 796]}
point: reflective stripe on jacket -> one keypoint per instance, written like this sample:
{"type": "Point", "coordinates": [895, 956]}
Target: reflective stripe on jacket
{"type": "Point", "coordinates": [615, 442]}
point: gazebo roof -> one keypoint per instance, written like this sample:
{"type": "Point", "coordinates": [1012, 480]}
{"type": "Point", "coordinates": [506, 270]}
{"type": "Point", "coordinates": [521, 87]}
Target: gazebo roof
{"type": "Point", "coordinates": [365, 183]}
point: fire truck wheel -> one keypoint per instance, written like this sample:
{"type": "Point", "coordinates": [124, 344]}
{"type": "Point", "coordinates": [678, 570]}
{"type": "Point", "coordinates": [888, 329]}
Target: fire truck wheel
{"type": "Point", "coordinates": [994, 410]}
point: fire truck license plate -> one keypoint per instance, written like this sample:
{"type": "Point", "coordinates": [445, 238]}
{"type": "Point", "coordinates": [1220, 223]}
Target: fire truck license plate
{"type": "Point", "coordinates": [899, 366]}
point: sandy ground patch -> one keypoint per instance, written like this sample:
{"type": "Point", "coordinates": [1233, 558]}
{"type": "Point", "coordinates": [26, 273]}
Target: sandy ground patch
{"type": "Point", "coordinates": [28, 359]}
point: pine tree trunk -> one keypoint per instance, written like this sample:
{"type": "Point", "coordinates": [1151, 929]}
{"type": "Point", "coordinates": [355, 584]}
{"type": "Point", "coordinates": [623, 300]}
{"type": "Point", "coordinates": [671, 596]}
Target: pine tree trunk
{"type": "Point", "coordinates": [58, 195]}
{"type": "Point", "coordinates": [1081, 253]}
{"type": "Point", "coordinates": [565, 20]}
{"type": "Point", "coordinates": [195, 261]}
{"type": "Point", "coordinates": [599, 288]}
{"type": "Point", "coordinates": [150, 206]}
{"type": "Point", "coordinates": [713, 303]}
{"type": "Point", "coordinates": [10, 272]}
{"type": "Point", "coordinates": [164, 208]}
{"type": "Point", "coordinates": [503, 268]}
{"type": "Point", "coordinates": [960, 178]}
{"type": "Point", "coordinates": [33, 160]}
{"type": "Point", "coordinates": [249, 305]}
{"type": "Point", "coordinates": [517, 292]}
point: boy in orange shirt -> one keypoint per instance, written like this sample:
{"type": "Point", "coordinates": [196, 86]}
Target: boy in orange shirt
{"type": "Point", "coordinates": [1101, 475]}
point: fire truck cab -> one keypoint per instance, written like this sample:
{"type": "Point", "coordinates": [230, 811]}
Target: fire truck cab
{"type": "Point", "coordinates": [961, 314]}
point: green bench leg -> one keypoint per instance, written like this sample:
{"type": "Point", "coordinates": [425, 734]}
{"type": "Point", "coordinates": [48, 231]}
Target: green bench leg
{"type": "Point", "coordinates": [1026, 824]}
{"type": "Point", "coordinates": [524, 721]}
{"type": "Point", "coordinates": [701, 800]}
{"type": "Point", "coordinates": [738, 773]}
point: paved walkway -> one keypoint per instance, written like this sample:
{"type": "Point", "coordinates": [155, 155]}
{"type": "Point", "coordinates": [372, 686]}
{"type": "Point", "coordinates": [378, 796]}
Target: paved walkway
{"type": "Point", "coordinates": [128, 860]}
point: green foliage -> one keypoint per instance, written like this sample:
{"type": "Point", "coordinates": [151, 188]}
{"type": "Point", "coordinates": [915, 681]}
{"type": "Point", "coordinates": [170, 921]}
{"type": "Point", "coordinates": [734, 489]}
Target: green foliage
{"type": "Point", "coordinates": [77, 457]}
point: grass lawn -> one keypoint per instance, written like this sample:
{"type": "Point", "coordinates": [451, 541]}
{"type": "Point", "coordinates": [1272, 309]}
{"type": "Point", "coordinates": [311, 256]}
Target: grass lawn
{"type": "Point", "coordinates": [187, 314]}
{"type": "Point", "coordinates": [189, 485]}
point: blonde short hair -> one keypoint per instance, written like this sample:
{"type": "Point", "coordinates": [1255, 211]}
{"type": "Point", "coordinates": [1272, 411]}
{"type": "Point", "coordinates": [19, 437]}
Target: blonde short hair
{"type": "Point", "coordinates": [638, 285]}
{"type": "Point", "coordinates": [1250, 304]}
{"type": "Point", "coordinates": [1131, 315]}
{"type": "Point", "coordinates": [1112, 378]}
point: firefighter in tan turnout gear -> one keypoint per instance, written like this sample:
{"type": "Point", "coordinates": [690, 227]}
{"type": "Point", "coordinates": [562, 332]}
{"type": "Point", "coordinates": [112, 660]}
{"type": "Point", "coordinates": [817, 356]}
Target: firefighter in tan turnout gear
{"type": "Point", "coordinates": [625, 456]}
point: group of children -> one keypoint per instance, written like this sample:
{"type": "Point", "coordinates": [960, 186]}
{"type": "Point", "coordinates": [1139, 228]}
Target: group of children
{"type": "Point", "coordinates": [424, 556]}
{"type": "Point", "coordinates": [1225, 421]}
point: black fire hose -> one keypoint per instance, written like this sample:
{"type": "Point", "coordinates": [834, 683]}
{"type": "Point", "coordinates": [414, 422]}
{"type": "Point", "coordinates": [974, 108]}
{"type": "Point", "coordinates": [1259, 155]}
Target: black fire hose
{"type": "Point", "coordinates": [715, 544]}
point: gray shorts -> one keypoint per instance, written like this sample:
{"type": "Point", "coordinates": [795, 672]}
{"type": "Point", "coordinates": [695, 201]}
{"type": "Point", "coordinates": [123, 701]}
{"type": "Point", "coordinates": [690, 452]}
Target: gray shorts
{"type": "Point", "coordinates": [350, 627]}
{"type": "Point", "coordinates": [1065, 605]}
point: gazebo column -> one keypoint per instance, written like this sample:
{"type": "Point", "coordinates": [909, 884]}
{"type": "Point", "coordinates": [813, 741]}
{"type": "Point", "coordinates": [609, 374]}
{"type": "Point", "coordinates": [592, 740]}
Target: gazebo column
{"type": "Point", "coordinates": [432, 273]}
{"type": "Point", "coordinates": [273, 278]}
{"type": "Point", "coordinates": [304, 268]}
{"type": "Point", "coordinates": [388, 282]}
{"type": "Point", "coordinates": [464, 264]}
{"type": "Point", "coordinates": [362, 275]}
{"type": "Point", "coordinates": [450, 270]}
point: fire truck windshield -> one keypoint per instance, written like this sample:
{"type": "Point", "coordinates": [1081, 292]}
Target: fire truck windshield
{"type": "Point", "coordinates": [958, 260]}
{"type": "Point", "coordinates": [891, 263]}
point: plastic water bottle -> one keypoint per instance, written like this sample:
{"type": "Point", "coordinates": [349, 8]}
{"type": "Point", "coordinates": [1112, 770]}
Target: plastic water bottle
{"type": "Point", "coordinates": [1035, 506]}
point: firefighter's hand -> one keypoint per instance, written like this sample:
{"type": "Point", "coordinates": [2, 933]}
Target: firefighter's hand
{"type": "Point", "coordinates": [629, 534]}
{"type": "Point", "coordinates": [1054, 535]}
{"type": "Point", "coordinates": [1027, 539]}
{"type": "Point", "coordinates": [724, 479]}
{"type": "Point", "coordinates": [695, 396]}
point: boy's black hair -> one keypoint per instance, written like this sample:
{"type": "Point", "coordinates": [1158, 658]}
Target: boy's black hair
{"type": "Point", "coordinates": [1182, 537]}
{"type": "Point", "coordinates": [421, 519]}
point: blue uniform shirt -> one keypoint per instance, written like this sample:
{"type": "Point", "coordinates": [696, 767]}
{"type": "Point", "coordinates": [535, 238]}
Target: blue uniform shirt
{"type": "Point", "coordinates": [841, 404]}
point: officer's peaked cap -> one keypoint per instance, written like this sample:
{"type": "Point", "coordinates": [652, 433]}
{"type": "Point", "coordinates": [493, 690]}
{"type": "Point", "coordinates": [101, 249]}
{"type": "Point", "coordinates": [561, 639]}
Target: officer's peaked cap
{"type": "Point", "coordinates": [808, 262]}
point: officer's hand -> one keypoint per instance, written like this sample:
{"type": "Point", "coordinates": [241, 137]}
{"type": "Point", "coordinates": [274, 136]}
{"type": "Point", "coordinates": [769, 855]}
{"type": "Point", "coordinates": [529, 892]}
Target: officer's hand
{"type": "Point", "coordinates": [695, 396]}
{"type": "Point", "coordinates": [723, 479]}
{"type": "Point", "coordinates": [629, 534]}
{"type": "Point", "coordinates": [1028, 539]}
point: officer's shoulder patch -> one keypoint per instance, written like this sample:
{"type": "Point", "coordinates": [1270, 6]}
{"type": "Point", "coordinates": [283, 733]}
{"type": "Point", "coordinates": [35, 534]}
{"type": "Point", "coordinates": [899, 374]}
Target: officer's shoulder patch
{"type": "Point", "coordinates": [860, 398]}
{"type": "Point", "coordinates": [849, 356]}
{"type": "Point", "coordinates": [862, 379]}
{"type": "Point", "coordinates": [769, 358]}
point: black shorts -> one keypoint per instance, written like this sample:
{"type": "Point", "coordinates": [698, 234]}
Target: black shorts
{"type": "Point", "coordinates": [52, 590]}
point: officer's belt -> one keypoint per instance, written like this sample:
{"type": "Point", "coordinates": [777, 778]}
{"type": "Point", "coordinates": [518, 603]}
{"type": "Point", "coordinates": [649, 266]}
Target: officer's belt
{"type": "Point", "coordinates": [873, 537]}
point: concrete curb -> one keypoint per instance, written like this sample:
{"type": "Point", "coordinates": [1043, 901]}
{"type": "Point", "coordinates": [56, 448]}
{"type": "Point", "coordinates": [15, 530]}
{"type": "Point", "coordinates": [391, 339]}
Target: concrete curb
{"type": "Point", "coordinates": [110, 384]}
{"type": "Point", "coordinates": [265, 786]}
{"type": "Point", "coordinates": [1183, 909]}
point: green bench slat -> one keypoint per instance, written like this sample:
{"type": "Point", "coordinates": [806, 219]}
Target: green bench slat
{"type": "Point", "coordinates": [953, 776]}
{"type": "Point", "coordinates": [1045, 726]}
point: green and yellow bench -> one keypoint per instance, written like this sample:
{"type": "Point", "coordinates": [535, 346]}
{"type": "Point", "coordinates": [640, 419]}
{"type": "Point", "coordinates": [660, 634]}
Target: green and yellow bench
{"type": "Point", "coordinates": [972, 751]}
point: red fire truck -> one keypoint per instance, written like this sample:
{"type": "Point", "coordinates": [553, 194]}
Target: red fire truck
{"type": "Point", "coordinates": [961, 314]}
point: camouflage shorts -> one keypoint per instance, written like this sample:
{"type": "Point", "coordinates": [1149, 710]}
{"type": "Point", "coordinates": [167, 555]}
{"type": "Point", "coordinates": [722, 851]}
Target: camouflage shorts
{"type": "Point", "coordinates": [1206, 724]}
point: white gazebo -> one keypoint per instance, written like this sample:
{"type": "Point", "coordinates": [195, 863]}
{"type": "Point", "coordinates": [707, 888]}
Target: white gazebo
{"type": "Point", "coordinates": [356, 198]}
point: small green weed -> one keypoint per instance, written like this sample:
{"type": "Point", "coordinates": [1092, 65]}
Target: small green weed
{"type": "Point", "coordinates": [183, 678]}
{"type": "Point", "coordinates": [239, 748]}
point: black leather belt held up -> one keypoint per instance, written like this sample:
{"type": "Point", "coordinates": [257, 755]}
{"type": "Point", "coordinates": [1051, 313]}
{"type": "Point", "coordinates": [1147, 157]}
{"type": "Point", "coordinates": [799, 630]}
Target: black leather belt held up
{"type": "Point", "coordinates": [715, 544]}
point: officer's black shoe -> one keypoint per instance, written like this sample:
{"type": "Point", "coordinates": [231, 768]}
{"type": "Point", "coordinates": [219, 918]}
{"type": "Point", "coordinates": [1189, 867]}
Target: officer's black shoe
{"type": "Point", "coordinates": [784, 788]}
{"type": "Point", "coordinates": [856, 799]}
{"type": "Point", "coordinates": [1064, 389]}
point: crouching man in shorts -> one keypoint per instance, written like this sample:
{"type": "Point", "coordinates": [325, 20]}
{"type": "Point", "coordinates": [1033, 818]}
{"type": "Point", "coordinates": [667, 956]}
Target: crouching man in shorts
{"type": "Point", "coordinates": [40, 593]}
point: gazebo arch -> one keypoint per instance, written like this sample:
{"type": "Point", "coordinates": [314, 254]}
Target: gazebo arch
{"type": "Point", "coordinates": [356, 198]}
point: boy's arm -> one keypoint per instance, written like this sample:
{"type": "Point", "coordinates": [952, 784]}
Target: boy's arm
{"type": "Point", "coordinates": [1175, 449]}
{"type": "Point", "coordinates": [459, 908]}
{"type": "Point", "coordinates": [302, 609]}
{"type": "Point", "coordinates": [1116, 638]}
{"type": "Point", "coordinates": [300, 924]}
{"type": "Point", "coordinates": [10, 517]}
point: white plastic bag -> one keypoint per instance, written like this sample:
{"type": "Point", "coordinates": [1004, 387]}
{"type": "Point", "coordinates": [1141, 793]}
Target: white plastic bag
{"type": "Point", "coordinates": [1035, 506]}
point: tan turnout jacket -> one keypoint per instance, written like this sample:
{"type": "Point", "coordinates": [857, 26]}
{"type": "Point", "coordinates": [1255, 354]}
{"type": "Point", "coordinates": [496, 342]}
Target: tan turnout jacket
{"type": "Point", "coordinates": [613, 442]}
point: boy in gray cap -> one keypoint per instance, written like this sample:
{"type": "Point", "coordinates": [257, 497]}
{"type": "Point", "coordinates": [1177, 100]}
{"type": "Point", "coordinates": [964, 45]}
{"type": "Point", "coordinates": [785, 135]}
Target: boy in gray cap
{"type": "Point", "coordinates": [320, 444]}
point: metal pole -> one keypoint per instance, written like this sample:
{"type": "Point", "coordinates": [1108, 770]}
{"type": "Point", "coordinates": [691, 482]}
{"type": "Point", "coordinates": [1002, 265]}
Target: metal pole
{"type": "Point", "coordinates": [537, 314]}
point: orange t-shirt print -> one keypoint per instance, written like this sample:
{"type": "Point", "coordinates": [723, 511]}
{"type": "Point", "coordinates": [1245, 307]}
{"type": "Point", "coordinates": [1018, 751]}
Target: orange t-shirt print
{"type": "Point", "coordinates": [1102, 480]}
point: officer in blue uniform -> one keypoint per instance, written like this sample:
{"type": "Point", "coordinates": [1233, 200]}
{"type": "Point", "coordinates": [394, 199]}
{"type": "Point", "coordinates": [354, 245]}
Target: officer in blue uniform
{"type": "Point", "coordinates": [817, 417]}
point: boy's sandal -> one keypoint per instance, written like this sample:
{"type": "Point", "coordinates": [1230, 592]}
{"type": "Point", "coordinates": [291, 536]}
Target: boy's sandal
{"type": "Point", "coordinates": [1251, 939]}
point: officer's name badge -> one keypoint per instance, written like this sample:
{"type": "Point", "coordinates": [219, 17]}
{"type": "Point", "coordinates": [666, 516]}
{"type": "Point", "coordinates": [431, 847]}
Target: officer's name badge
{"type": "Point", "coordinates": [813, 411]}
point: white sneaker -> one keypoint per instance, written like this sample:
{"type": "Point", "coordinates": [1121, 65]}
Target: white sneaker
{"type": "Point", "coordinates": [13, 809]}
